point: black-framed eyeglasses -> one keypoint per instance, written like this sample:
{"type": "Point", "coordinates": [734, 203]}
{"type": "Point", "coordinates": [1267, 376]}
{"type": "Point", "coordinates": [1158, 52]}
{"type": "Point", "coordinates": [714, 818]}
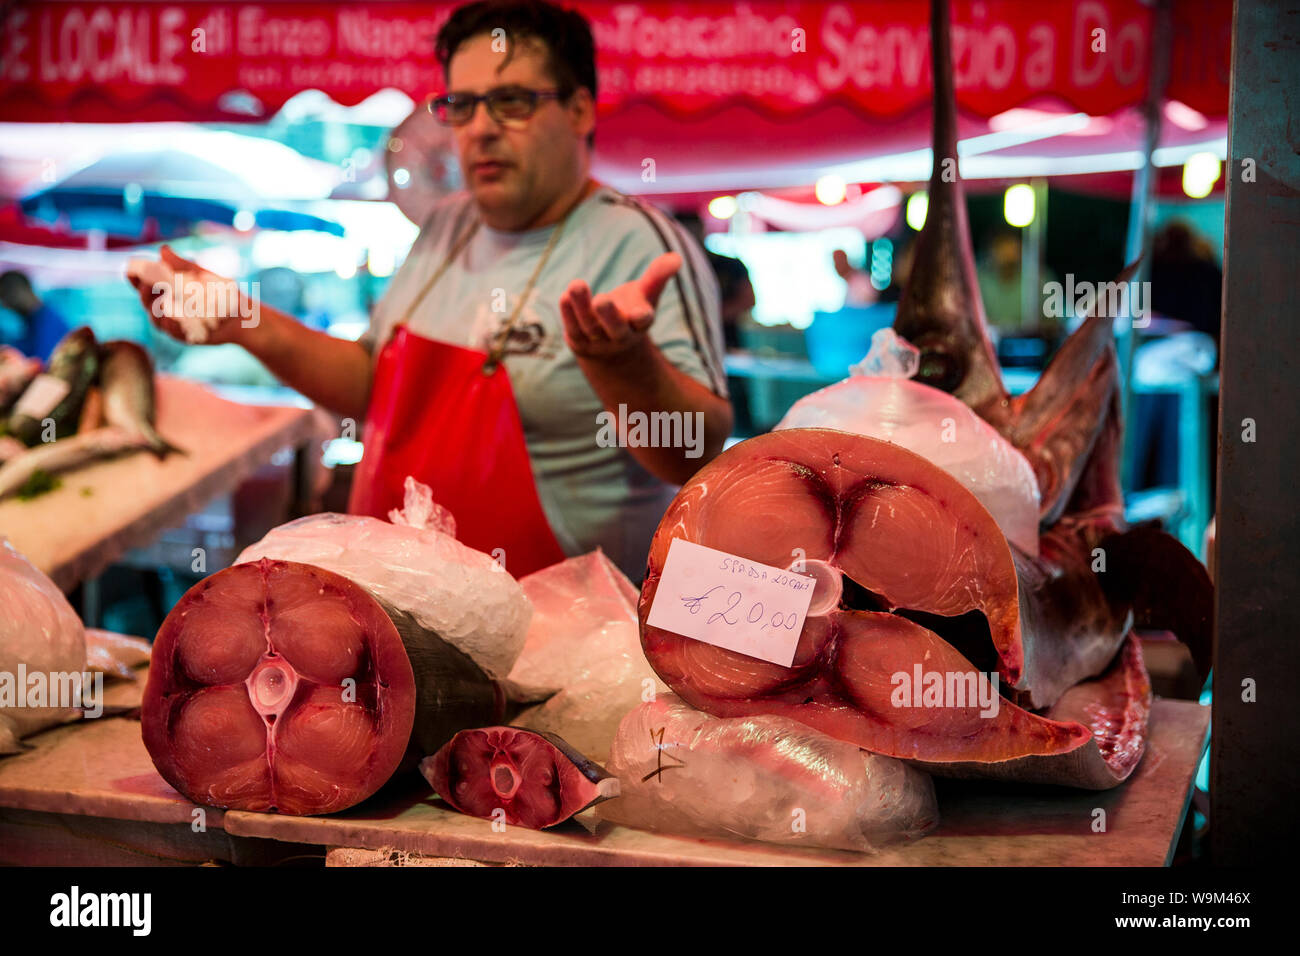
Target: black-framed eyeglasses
{"type": "Point", "coordinates": [503, 104]}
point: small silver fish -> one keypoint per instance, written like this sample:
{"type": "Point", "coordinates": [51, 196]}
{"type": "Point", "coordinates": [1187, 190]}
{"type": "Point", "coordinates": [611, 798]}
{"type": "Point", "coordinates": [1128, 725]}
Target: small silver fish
{"type": "Point", "coordinates": [72, 368]}
{"type": "Point", "coordinates": [126, 381]}
{"type": "Point", "coordinates": [16, 373]}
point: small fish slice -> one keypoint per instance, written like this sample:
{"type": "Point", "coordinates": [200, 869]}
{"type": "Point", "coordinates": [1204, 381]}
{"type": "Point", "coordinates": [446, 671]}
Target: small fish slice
{"type": "Point", "coordinates": [520, 777]}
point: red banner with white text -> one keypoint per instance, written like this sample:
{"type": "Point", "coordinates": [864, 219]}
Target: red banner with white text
{"type": "Point", "coordinates": [138, 61]}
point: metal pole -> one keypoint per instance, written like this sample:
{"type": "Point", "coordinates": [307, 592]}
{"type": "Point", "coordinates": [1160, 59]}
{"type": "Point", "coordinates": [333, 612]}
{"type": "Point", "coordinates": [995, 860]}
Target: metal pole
{"type": "Point", "coordinates": [1254, 773]}
{"type": "Point", "coordinates": [1141, 214]}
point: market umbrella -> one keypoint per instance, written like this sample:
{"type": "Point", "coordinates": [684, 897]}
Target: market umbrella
{"type": "Point", "coordinates": [175, 188]}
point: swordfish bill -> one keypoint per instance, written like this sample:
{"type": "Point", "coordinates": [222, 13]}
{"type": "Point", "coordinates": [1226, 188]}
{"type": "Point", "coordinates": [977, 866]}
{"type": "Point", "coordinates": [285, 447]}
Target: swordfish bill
{"type": "Point", "coordinates": [942, 314]}
{"type": "Point", "coordinates": [940, 311]}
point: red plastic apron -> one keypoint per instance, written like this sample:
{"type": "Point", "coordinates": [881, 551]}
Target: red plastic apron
{"type": "Point", "coordinates": [447, 416]}
{"type": "Point", "coordinates": [435, 414]}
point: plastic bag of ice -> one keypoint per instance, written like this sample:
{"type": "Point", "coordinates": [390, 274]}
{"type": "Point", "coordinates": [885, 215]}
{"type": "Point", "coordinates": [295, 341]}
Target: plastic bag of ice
{"type": "Point", "coordinates": [765, 777]}
{"type": "Point", "coordinates": [462, 595]}
{"type": "Point", "coordinates": [879, 401]}
{"type": "Point", "coordinates": [40, 632]}
{"type": "Point", "coordinates": [585, 643]}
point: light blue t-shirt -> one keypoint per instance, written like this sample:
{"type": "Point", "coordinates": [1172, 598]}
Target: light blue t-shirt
{"type": "Point", "coordinates": [592, 495]}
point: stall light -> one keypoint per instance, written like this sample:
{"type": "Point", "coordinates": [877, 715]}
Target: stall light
{"type": "Point", "coordinates": [244, 221]}
{"type": "Point", "coordinates": [830, 190]}
{"type": "Point", "coordinates": [1200, 173]}
{"type": "Point", "coordinates": [380, 263]}
{"type": "Point", "coordinates": [722, 207]}
{"type": "Point", "coordinates": [402, 177]}
{"type": "Point", "coordinates": [1180, 114]}
{"type": "Point", "coordinates": [1018, 205]}
{"type": "Point", "coordinates": [882, 263]}
{"type": "Point", "coordinates": [917, 204]}
{"type": "Point", "coordinates": [346, 269]}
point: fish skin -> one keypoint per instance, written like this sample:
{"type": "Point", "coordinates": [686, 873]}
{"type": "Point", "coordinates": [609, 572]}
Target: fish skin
{"type": "Point", "coordinates": [1115, 706]}
{"type": "Point", "coordinates": [126, 378]}
{"type": "Point", "coordinates": [67, 454]}
{"type": "Point", "coordinates": [16, 373]}
{"type": "Point", "coordinates": [75, 360]}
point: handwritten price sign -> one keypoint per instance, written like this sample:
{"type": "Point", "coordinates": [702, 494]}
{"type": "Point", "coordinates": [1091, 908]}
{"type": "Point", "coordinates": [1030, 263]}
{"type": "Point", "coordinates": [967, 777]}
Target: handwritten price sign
{"type": "Point", "coordinates": [711, 596]}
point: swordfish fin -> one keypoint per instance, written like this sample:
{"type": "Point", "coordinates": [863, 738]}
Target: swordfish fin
{"type": "Point", "coordinates": [941, 312]}
{"type": "Point", "coordinates": [1057, 423]}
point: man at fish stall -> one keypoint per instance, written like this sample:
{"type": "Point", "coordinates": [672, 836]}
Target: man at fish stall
{"type": "Point", "coordinates": [537, 289]}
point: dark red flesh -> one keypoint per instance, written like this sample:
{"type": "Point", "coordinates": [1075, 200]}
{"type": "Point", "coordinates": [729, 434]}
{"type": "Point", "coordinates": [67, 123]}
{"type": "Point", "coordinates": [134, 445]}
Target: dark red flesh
{"type": "Point", "coordinates": [278, 686]}
{"type": "Point", "coordinates": [520, 777]}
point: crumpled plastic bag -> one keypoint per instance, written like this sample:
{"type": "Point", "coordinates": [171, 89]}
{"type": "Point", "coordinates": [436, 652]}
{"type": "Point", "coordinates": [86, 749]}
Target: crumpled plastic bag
{"type": "Point", "coordinates": [879, 401]}
{"type": "Point", "coordinates": [462, 595]}
{"type": "Point", "coordinates": [584, 643]}
{"type": "Point", "coordinates": [766, 778]}
{"type": "Point", "coordinates": [39, 630]}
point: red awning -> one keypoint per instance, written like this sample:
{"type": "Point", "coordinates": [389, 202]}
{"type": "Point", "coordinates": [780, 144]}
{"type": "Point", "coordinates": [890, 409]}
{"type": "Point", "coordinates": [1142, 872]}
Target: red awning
{"type": "Point", "coordinates": [696, 87]}
{"type": "Point", "coordinates": [133, 61]}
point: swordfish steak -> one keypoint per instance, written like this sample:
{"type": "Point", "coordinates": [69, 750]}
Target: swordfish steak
{"type": "Point", "coordinates": [929, 586]}
{"type": "Point", "coordinates": [520, 777]}
{"type": "Point", "coordinates": [283, 686]}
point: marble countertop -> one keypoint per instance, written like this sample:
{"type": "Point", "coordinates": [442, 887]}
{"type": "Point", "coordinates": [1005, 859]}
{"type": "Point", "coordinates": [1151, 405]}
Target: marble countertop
{"type": "Point", "coordinates": [100, 768]}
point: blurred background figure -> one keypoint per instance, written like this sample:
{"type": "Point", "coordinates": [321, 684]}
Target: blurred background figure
{"type": "Point", "coordinates": [1186, 281]}
{"type": "Point", "coordinates": [860, 289]}
{"type": "Point", "coordinates": [34, 328]}
{"type": "Point", "coordinates": [1025, 340]}
{"type": "Point", "coordinates": [737, 294]}
{"type": "Point", "coordinates": [1182, 342]}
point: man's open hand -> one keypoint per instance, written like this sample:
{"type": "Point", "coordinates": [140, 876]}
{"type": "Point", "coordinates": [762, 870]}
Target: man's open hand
{"type": "Point", "coordinates": [615, 321]}
{"type": "Point", "coordinates": [172, 285]}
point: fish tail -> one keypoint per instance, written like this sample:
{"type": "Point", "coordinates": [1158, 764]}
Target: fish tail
{"type": "Point", "coordinates": [161, 446]}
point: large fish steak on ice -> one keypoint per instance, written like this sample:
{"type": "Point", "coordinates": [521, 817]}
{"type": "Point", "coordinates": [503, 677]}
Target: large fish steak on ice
{"type": "Point", "coordinates": [764, 777]}
{"type": "Point", "coordinates": [39, 632]}
{"type": "Point", "coordinates": [930, 585]}
{"type": "Point", "coordinates": [281, 686]}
